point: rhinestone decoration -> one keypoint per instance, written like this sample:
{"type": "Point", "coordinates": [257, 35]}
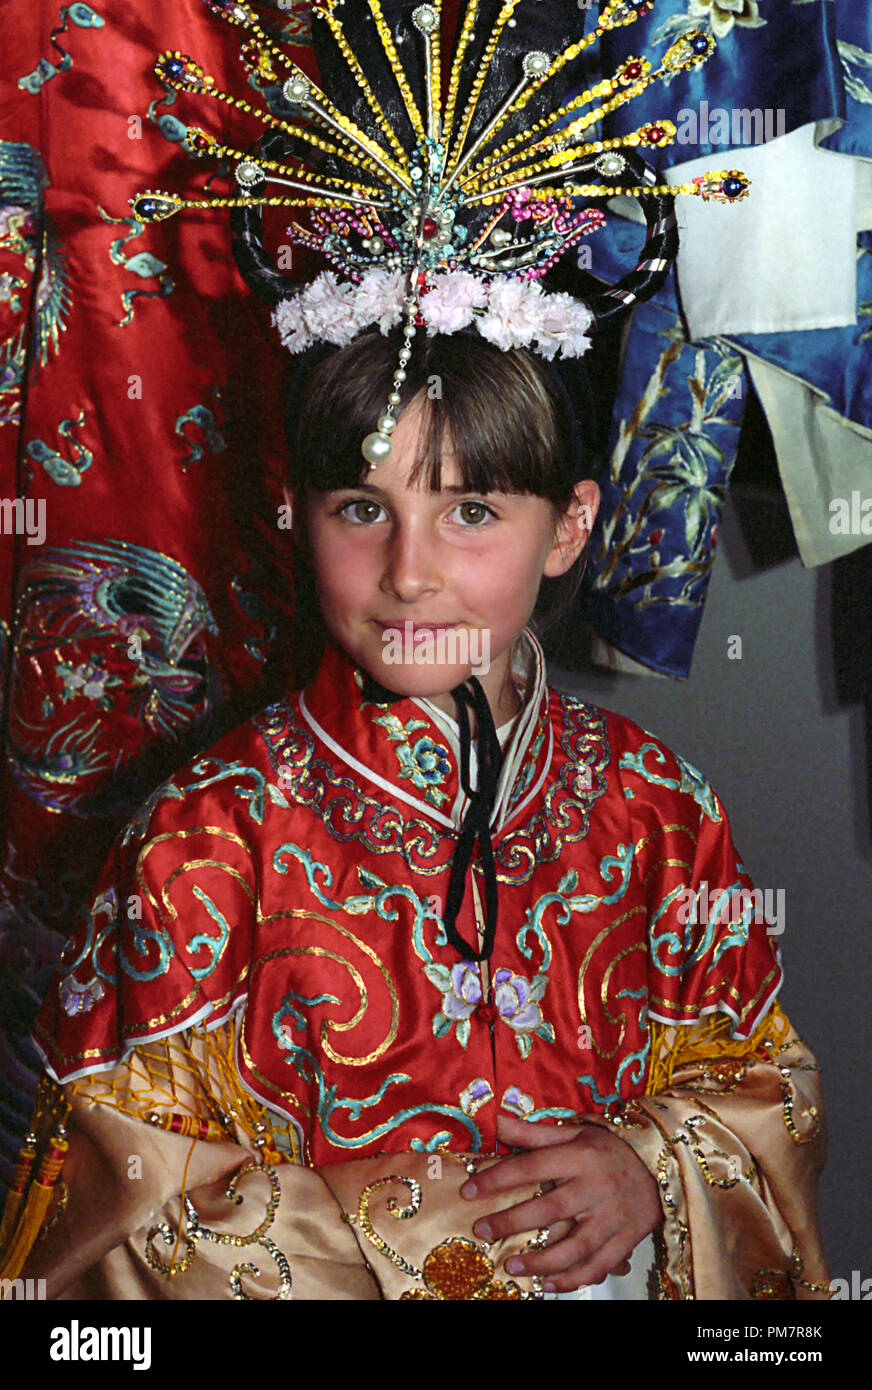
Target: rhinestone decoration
{"type": "Point", "coordinates": [423, 196]}
{"type": "Point", "coordinates": [459, 1269]}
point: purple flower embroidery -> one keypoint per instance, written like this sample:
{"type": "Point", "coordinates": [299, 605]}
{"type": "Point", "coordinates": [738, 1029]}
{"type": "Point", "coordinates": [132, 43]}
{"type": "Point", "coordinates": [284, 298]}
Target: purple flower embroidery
{"type": "Point", "coordinates": [464, 991]}
{"type": "Point", "coordinates": [517, 1102]}
{"type": "Point", "coordinates": [517, 1002]}
{"type": "Point", "coordinates": [515, 998]}
{"type": "Point", "coordinates": [513, 1001]}
{"type": "Point", "coordinates": [77, 998]}
{"type": "Point", "coordinates": [87, 679]}
{"type": "Point", "coordinates": [476, 1094]}
{"type": "Point", "coordinates": [461, 993]}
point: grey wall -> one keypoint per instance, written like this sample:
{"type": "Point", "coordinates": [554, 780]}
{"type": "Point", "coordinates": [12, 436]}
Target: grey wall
{"type": "Point", "coordinates": [782, 735]}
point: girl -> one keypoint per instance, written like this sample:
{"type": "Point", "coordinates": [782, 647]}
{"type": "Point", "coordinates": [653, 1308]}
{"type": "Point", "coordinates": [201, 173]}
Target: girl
{"type": "Point", "coordinates": [402, 988]}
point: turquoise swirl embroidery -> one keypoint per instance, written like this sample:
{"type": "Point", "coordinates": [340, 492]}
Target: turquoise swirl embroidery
{"type": "Point", "coordinates": [671, 944]}
{"type": "Point", "coordinates": [691, 780]}
{"type": "Point", "coordinates": [309, 1071]}
{"type": "Point", "coordinates": [255, 796]}
{"type": "Point", "coordinates": [639, 1059]}
{"type": "Point", "coordinates": [63, 471]}
{"type": "Point", "coordinates": [518, 1001]}
{"type": "Point", "coordinates": [214, 945]}
{"type": "Point", "coordinates": [374, 901]}
{"type": "Point", "coordinates": [82, 16]}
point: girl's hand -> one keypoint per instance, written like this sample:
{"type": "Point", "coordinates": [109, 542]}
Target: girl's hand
{"type": "Point", "coordinates": [600, 1201]}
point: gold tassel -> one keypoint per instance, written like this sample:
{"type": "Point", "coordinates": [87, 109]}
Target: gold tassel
{"type": "Point", "coordinates": [705, 1041]}
{"type": "Point", "coordinates": [17, 1189]}
{"type": "Point", "coordinates": [23, 1225]}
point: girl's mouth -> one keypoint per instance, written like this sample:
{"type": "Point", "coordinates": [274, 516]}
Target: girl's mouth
{"type": "Point", "coordinates": [406, 625]}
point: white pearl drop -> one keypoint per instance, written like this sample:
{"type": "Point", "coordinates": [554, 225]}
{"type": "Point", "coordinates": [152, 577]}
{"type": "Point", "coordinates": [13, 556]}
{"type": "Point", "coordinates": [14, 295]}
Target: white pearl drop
{"type": "Point", "coordinates": [376, 448]}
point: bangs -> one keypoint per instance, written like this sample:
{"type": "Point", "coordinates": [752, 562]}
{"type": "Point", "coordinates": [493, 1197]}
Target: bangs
{"type": "Point", "coordinates": [497, 412]}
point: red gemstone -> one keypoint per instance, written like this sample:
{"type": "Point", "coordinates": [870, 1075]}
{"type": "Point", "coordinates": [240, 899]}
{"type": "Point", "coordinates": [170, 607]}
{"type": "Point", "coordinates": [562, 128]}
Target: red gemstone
{"type": "Point", "coordinates": [656, 132]}
{"type": "Point", "coordinates": [429, 227]}
{"type": "Point", "coordinates": [632, 69]}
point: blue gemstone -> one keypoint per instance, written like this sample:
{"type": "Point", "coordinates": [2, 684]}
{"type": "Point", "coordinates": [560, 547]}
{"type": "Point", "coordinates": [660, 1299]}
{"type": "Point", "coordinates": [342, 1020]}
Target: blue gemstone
{"type": "Point", "coordinates": [699, 43]}
{"type": "Point", "coordinates": [175, 66]}
{"type": "Point", "coordinates": [733, 187]}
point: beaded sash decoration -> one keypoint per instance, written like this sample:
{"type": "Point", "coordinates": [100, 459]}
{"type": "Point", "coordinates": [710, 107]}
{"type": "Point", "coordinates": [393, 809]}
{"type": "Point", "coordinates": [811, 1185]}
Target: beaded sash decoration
{"type": "Point", "coordinates": [440, 213]}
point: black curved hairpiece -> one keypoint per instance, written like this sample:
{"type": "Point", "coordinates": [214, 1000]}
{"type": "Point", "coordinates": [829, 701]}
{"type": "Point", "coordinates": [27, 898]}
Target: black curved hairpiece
{"type": "Point", "coordinates": [658, 253]}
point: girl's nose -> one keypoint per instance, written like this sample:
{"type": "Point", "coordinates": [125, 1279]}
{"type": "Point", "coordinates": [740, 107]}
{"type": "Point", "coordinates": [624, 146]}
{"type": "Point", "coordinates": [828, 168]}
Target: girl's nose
{"type": "Point", "coordinates": [411, 564]}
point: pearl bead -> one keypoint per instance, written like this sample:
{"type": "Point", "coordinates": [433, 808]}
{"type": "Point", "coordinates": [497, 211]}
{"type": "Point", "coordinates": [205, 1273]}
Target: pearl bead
{"type": "Point", "coordinates": [394, 398]}
{"type": "Point", "coordinates": [376, 448]}
{"type": "Point", "coordinates": [400, 375]}
{"type": "Point", "coordinates": [386, 424]}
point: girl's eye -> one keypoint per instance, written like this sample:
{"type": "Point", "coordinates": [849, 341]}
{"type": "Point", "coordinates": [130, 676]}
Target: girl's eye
{"type": "Point", "coordinates": [474, 513]}
{"type": "Point", "coordinates": [361, 511]}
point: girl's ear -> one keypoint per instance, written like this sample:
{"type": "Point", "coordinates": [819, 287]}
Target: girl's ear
{"type": "Point", "coordinates": [572, 531]}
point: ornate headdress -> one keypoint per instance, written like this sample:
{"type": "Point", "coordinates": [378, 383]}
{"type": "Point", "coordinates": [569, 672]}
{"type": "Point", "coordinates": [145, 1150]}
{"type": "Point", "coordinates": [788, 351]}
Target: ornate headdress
{"type": "Point", "coordinates": [440, 204]}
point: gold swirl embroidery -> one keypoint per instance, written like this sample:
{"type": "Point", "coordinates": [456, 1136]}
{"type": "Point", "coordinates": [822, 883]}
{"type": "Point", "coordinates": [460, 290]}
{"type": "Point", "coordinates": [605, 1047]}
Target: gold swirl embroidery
{"type": "Point", "coordinates": [682, 1286]}
{"type": "Point", "coordinates": [137, 1027]}
{"type": "Point", "coordinates": [456, 1269]}
{"type": "Point", "coordinates": [594, 946]}
{"type": "Point", "coordinates": [787, 1105]}
{"type": "Point", "coordinates": [195, 1232]}
{"type": "Point", "coordinates": [666, 864]}
{"type": "Point", "coordinates": [691, 1142]}
{"type": "Point", "coordinates": [60, 1201]}
{"type": "Point", "coordinates": [289, 1097]}
{"type": "Point", "coordinates": [215, 830]}
{"type": "Point", "coordinates": [330, 1025]}
{"type": "Point", "coordinates": [362, 1219]}
{"type": "Point", "coordinates": [190, 864]}
{"type": "Point", "coordinates": [619, 1019]}
{"type": "Point", "coordinates": [663, 830]}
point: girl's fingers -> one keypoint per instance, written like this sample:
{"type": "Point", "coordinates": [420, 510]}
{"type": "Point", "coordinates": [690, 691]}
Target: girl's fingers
{"type": "Point", "coordinates": [554, 1163]}
{"type": "Point", "coordinates": [546, 1208]}
{"type": "Point", "coordinates": [581, 1245]}
{"type": "Point", "coordinates": [558, 1230]}
{"type": "Point", "coordinates": [520, 1134]}
{"type": "Point", "coordinates": [592, 1269]}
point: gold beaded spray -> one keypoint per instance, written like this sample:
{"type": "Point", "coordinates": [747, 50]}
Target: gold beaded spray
{"type": "Point", "coordinates": [413, 194]}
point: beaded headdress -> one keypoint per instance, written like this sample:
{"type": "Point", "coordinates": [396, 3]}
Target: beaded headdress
{"type": "Point", "coordinates": [440, 205]}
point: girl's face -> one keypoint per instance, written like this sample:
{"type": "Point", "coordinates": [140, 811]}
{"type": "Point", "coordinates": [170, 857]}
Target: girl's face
{"type": "Point", "coordinates": [422, 589]}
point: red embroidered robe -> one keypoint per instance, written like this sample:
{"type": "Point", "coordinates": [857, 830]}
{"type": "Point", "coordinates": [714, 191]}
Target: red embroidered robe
{"type": "Point", "coordinates": [300, 866]}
